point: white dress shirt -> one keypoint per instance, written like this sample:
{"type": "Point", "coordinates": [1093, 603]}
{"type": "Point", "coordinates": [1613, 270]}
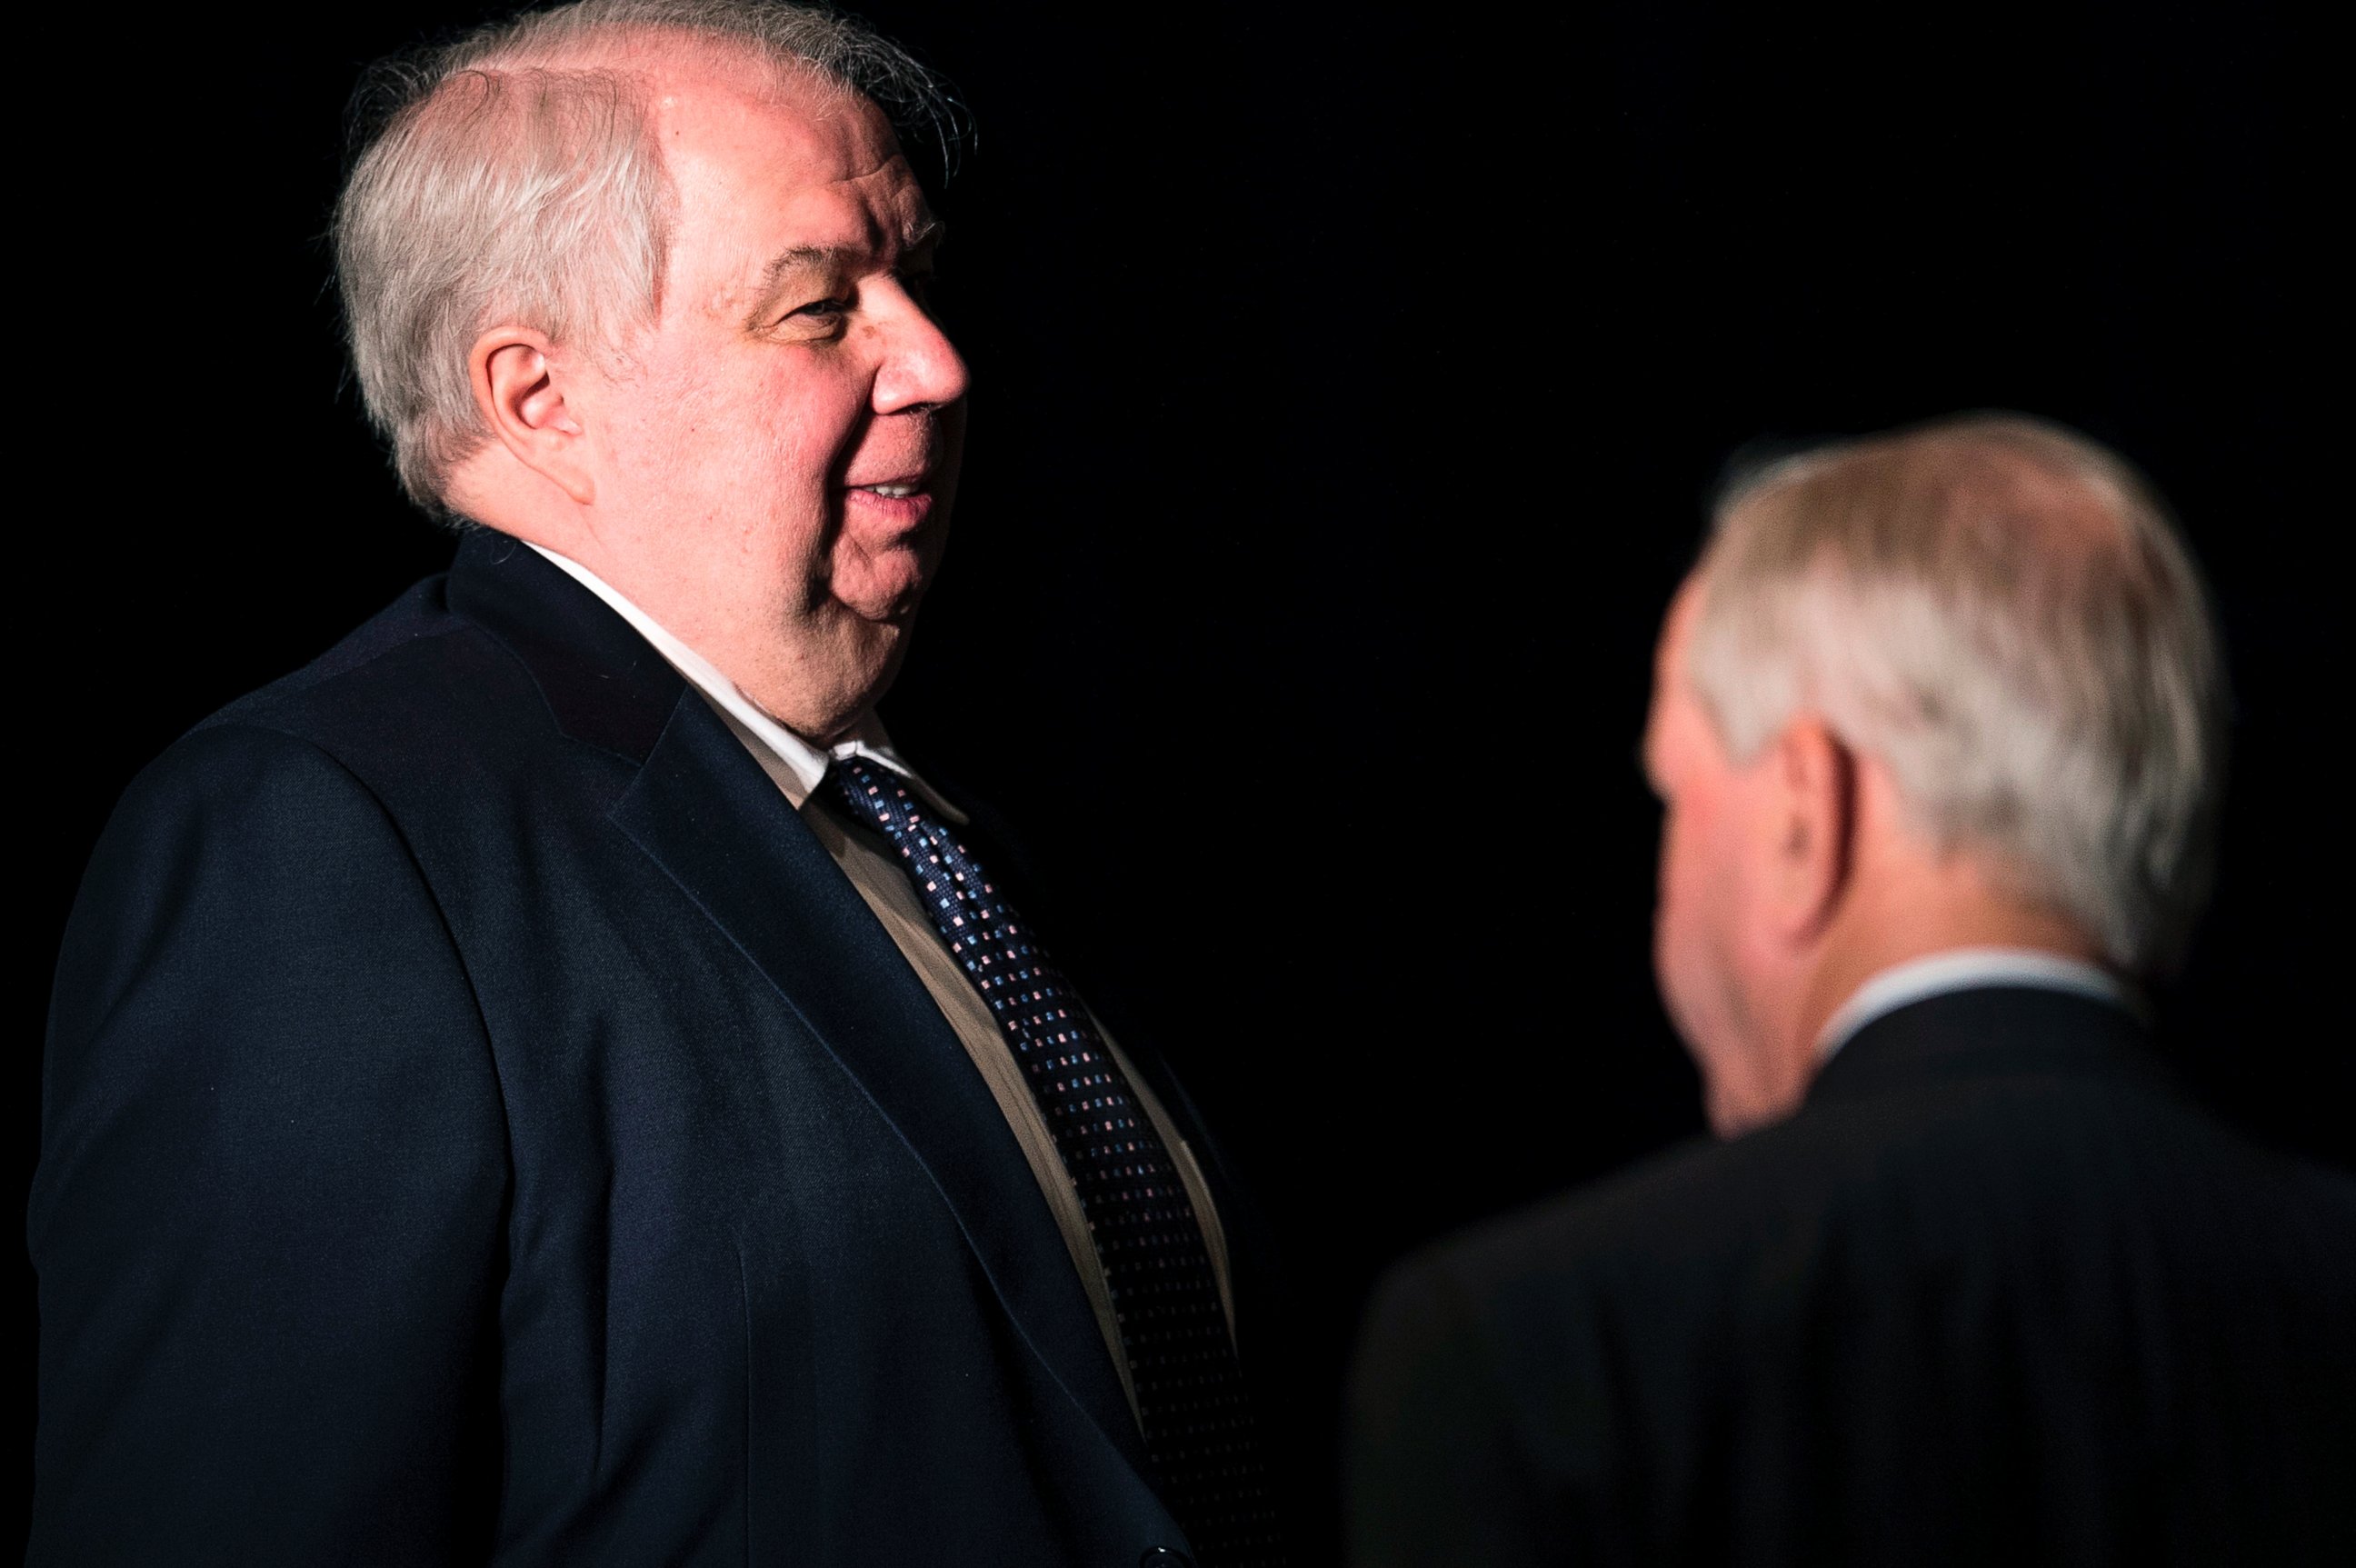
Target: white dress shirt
{"type": "Point", "coordinates": [1964, 969]}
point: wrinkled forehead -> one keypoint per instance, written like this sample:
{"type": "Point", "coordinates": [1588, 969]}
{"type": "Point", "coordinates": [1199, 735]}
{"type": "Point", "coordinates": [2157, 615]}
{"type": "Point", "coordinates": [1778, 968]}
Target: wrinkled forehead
{"type": "Point", "coordinates": [764, 158]}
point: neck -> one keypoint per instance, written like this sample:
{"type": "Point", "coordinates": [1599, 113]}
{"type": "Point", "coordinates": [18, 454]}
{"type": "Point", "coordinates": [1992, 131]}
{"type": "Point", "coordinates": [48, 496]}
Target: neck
{"type": "Point", "coordinates": [1876, 934]}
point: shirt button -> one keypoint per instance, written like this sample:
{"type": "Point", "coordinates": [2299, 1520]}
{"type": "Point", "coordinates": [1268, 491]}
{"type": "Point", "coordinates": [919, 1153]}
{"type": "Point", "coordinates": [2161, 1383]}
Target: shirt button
{"type": "Point", "coordinates": [1164, 1557]}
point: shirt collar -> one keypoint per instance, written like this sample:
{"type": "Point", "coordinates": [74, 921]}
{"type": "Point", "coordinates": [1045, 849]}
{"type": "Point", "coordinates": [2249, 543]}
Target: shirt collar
{"type": "Point", "coordinates": [1965, 969]}
{"type": "Point", "coordinates": [801, 764]}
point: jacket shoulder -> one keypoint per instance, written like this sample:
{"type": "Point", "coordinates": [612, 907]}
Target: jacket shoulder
{"type": "Point", "coordinates": [1920, 1179]}
{"type": "Point", "coordinates": [414, 648]}
{"type": "Point", "coordinates": [427, 708]}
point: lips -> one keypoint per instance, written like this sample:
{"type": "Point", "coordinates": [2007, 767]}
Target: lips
{"type": "Point", "coordinates": [890, 508]}
{"type": "Point", "coordinates": [896, 487]}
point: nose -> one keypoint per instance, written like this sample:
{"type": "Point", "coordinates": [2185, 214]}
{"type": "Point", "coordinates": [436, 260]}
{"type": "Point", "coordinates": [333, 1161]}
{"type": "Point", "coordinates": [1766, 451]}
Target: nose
{"type": "Point", "coordinates": [921, 368]}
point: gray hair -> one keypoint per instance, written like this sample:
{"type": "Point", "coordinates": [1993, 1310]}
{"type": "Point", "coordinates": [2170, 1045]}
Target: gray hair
{"type": "Point", "coordinates": [510, 176]}
{"type": "Point", "coordinates": [2001, 611]}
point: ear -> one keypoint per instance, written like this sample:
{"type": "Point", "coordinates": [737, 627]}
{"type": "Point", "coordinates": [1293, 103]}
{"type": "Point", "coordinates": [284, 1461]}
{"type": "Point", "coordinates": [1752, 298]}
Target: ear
{"type": "Point", "coordinates": [1814, 792]}
{"type": "Point", "coordinates": [521, 398]}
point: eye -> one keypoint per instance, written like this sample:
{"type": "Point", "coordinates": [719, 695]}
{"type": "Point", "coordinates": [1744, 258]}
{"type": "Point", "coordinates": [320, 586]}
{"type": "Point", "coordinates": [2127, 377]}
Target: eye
{"type": "Point", "coordinates": [820, 310]}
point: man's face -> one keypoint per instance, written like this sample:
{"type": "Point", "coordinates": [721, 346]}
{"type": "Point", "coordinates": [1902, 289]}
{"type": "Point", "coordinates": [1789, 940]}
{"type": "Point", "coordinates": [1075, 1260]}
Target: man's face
{"type": "Point", "coordinates": [777, 454]}
{"type": "Point", "coordinates": [1712, 817]}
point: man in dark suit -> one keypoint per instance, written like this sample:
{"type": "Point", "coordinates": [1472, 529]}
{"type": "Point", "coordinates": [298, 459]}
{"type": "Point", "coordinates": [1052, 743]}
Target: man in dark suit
{"type": "Point", "coordinates": [1936, 725]}
{"type": "Point", "coordinates": [548, 1083]}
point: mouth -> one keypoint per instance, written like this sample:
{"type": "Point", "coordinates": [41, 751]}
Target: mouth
{"type": "Point", "coordinates": [891, 514]}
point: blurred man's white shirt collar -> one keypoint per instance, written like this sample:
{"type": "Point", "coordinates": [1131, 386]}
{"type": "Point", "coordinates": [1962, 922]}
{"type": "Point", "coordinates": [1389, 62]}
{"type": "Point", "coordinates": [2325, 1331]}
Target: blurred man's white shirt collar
{"type": "Point", "coordinates": [1964, 969]}
{"type": "Point", "coordinates": [805, 764]}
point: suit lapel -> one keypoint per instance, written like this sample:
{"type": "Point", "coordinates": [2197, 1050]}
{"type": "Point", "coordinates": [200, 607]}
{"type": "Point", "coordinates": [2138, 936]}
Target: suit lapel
{"type": "Point", "coordinates": [701, 808]}
{"type": "Point", "coordinates": [708, 815]}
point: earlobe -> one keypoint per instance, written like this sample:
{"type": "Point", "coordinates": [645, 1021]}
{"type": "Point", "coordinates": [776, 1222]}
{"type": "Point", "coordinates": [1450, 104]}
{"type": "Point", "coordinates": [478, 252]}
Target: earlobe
{"type": "Point", "coordinates": [522, 400]}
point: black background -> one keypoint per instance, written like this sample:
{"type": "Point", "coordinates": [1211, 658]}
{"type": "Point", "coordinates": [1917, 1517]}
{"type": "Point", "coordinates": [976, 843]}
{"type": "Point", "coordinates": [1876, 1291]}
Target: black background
{"type": "Point", "coordinates": [1348, 385]}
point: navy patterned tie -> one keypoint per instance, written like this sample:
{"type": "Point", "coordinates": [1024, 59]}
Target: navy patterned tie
{"type": "Point", "coordinates": [1200, 1426]}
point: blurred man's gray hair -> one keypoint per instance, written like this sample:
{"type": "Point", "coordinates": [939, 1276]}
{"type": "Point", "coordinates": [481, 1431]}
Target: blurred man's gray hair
{"type": "Point", "coordinates": [511, 178]}
{"type": "Point", "coordinates": [2001, 611]}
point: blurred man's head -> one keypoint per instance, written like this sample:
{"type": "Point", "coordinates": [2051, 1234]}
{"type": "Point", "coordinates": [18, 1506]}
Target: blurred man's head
{"type": "Point", "coordinates": [641, 281]}
{"type": "Point", "coordinates": [1951, 687]}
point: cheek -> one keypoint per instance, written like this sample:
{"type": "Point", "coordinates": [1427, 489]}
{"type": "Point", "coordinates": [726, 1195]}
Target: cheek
{"type": "Point", "coordinates": [806, 418]}
{"type": "Point", "coordinates": [1680, 898]}
{"type": "Point", "coordinates": [766, 434]}
{"type": "Point", "coordinates": [1699, 912]}
{"type": "Point", "coordinates": [1686, 834]}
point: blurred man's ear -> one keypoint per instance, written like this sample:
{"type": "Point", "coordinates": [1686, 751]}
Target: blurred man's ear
{"type": "Point", "coordinates": [1814, 790]}
{"type": "Point", "coordinates": [524, 405]}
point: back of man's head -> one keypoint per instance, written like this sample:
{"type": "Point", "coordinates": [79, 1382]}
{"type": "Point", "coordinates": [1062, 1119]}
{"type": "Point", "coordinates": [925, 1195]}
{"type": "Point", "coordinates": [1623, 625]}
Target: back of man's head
{"type": "Point", "coordinates": [2000, 613]}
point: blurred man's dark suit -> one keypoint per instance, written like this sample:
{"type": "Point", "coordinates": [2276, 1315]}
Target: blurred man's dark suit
{"type": "Point", "coordinates": [1996, 1294]}
{"type": "Point", "coordinates": [482, 1124]}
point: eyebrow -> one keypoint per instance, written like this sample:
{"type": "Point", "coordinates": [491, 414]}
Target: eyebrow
{"type": "Point", "coordinates": [930, 232]}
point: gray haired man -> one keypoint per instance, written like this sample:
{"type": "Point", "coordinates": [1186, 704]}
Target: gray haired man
{"type": "Point", "coordinates": [549, 1082]}
{"type": "Point", "coordinates": [1936, 723]}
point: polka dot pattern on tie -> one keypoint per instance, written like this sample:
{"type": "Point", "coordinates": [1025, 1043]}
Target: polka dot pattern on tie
{"type": "Point", "coordinates": [1200, 1425]}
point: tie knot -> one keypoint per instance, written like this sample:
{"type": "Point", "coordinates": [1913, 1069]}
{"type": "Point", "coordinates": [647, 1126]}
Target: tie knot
{"type": "Point", "coordinates": [874, 794]}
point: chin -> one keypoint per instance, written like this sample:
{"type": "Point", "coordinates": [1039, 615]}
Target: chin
{"type": "Point", "coordinates": [868, 666]}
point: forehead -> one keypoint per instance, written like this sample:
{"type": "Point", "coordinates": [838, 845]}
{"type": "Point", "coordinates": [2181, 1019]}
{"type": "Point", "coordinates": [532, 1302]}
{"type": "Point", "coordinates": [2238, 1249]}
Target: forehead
{"type": "Point", "coordinates": [763, 164]}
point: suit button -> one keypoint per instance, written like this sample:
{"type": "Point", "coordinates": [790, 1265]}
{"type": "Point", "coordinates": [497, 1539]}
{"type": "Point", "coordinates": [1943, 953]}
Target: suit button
{"type": "Point", "coordinates": [1164, 1557]}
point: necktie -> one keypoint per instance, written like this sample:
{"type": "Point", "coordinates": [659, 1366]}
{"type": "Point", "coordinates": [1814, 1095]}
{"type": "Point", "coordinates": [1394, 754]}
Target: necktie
{"type": "Point", "coordinates": [1200, 1427]}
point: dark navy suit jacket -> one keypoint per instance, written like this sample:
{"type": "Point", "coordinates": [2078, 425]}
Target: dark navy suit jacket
{"type": "Point", "coordinates": [1998, 1295]}
{"type": "Point", "coordinates": [481, 1123]}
